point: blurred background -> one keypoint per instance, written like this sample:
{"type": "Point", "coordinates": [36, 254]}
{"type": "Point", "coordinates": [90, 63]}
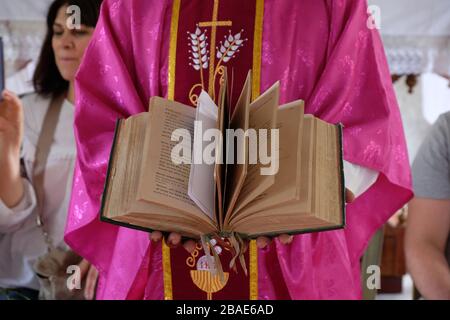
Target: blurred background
{"type": "Point", "coordinates": [416, 35]}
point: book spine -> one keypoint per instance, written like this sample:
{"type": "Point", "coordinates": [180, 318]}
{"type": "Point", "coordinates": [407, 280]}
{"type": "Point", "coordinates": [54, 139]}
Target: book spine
{"type": "Point", "coordinates": [341, 171]}
{"type": "Point", "coordinates": [109, 171]}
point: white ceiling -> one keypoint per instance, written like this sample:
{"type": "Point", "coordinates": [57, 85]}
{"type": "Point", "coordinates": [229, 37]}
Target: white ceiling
{"type": "Point", "coordinates": [24, 9]}
{"type": "Point", "coordinates": [408, 17]}
{"type": "Point", "coordinates": [414, 17]}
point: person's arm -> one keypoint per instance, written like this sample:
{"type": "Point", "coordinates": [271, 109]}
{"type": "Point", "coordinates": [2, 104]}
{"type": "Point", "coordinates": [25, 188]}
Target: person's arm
{"type": "Point", "coordinates": [428, 220]}
{"type": "Point", "coordinates": [12, 217]}
{"type": "Point", "coordinates": [428, 227]}
{"type": "Point", "coordinates": [11, 135]}
{"type": "Point", "coordinates": [17, 196]}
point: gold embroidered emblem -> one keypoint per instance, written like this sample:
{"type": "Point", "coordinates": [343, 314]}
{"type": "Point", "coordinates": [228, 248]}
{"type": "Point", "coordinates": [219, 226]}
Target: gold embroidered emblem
{"type": "Point", "coordinates": [203, 276]}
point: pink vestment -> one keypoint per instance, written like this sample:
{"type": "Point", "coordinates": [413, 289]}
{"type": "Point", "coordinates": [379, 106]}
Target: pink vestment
{"type": "Point", "coordinates": [323, 52]}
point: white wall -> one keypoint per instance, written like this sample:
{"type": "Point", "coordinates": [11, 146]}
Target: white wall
{"type": "Point", "coordinates": [420, 110]}
{"type": "Point", "coordinates": [21, 10]}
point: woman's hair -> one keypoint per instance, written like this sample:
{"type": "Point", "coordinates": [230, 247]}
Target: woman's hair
{"type": "Point", "coordinates": [47, 79]}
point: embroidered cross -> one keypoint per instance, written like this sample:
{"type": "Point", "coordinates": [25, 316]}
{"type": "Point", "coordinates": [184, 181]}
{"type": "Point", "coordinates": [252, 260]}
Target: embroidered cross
{"type": "Point", "coordinates": [213, 24]}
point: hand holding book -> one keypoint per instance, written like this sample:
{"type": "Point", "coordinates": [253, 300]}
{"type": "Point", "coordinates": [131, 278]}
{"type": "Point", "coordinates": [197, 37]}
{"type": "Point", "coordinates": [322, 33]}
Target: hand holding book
{"type": "Point", "coordinates": [174, 239]}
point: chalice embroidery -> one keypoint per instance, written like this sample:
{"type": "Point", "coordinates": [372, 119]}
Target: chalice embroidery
{"type": "Point", "coordinates": [203, 276]}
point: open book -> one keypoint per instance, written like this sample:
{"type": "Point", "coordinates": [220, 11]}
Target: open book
{"type": "Point", "coordinates": [263, 169]}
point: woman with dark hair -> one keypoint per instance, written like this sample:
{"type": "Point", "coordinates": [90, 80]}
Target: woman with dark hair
{"type": "Point", "coordinates": [25, 196]}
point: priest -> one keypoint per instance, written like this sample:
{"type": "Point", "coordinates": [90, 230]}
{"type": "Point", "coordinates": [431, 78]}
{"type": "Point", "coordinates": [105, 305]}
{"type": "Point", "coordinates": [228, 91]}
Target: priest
{"type": "Point", "coordinates": [322, 51]}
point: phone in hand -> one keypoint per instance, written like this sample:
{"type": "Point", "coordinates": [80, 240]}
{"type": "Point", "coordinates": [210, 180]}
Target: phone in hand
{"type": "Point", "coordinates": [2, 68]}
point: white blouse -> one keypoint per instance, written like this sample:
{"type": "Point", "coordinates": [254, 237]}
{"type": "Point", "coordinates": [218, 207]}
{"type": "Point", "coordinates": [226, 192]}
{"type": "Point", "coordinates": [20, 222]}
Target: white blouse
{"type": "Point", "coordinates": [21, 240]}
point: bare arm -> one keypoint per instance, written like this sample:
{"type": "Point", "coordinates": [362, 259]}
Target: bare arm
{"type": "Point", "coordinates": [427, 232]}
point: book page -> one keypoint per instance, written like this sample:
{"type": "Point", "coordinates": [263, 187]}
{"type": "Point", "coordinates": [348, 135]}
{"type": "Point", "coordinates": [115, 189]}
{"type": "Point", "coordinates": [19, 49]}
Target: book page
{"type": "Point", "coordinates": [114, 198]}
{"type": "Point", "coordinates": [220, 169]}
{"type": "Point", "coordinates": [263, 115]}
{"type": "Point", "coordinates": [201, 178]}
{"type": "Point", "coordinates": [328, 188]}
{"type": "Point", "coordinates": [307, 173]}
{"type": "Point", "coordinates": [237, 148]}
{"type": "Point", "coordinates": [287, 181]}
{"type": "Point", "coordinates": [321, 204]}
{"type": "Point", "coordinates": [120, 202]}
{"type": "Point", "coordinates": [164, 180]}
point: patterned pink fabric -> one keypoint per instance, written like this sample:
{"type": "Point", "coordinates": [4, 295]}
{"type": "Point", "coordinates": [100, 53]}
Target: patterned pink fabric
{"type": "Point", "coordinates": [325, 55]}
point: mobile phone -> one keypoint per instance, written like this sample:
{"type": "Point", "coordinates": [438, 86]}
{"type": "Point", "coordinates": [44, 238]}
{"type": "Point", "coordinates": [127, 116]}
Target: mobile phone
{"type": "Point", "coordinates": [2, 68]}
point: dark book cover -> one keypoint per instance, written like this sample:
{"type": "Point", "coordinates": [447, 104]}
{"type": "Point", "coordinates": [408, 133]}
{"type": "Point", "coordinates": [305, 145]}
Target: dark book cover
{"type": "Point", "coordinates": [103, 216]}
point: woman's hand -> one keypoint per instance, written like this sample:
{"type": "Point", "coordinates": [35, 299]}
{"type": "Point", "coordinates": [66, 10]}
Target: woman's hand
{"type": "Point", "coordinates": [91, 274]}
{"type": "Point", "coordinates": [11, 135]}
{"type": "Point", "coordinates": [174, 239]}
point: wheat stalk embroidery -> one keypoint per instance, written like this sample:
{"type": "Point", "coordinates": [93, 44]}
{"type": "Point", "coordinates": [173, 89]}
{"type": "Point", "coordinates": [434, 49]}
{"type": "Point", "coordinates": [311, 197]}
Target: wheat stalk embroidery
{"type": "Point", "coordinates": [200, 60]}
{"type": "Point", "coordinates": [228, 50]}
{"type": "Point", "coordinates": [229, 47]}
{"type": "Point", "coordinates": [199, 55]}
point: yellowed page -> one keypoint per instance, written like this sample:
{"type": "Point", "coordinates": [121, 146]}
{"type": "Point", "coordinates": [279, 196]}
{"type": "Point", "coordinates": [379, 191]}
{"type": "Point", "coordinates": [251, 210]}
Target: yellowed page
{"type": "Point", "coordinates": [237, 148]}
{"type": "Point", "coordinates": [113, 196]}
{"type": "Point", "coordinates": [320, 204]}
{"type": "Point", "coordinates": [290, 224]}
{"type": "Point", "coordinates": [121, 204]}
{"type": "Point", "coordinates": [163, 181]}
{"type": "Point", "coordinates": [219, 168]}
{"type": "Point", "coordinates": [287, 181]}
{"type": "Point", "coordinates": [263, 115]}
{"type": "Point", "coordinates": [124, 172]}
{"type": "Point", "coordinates": [201, 177]}
{"type": "Point", "coordinates": [328, 187]}
{"type": "Point", "coordinates": [306, 183]}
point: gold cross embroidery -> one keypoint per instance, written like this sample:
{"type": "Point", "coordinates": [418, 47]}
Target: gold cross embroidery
{"type": "Point", "coordinates": [214, 24]}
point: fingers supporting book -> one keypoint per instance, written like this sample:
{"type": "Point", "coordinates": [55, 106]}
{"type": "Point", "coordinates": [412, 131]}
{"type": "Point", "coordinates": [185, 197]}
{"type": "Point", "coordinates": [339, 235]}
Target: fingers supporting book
{"type": "Point", "coordinates": [173, 240]}
{"type": "Point", "coordinates": [263, 242]}
{"type": "Point", "coordinates": [349, 196]}
{"type": "Point", "coordinates": [190, 245]}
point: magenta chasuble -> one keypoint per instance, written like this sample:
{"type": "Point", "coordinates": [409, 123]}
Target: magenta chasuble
{"type": "Point", "coordinates": [322, 52]}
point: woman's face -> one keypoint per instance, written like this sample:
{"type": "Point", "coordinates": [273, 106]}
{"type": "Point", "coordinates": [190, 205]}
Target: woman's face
{"type": "Point", "coordinates": [69, 44]}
